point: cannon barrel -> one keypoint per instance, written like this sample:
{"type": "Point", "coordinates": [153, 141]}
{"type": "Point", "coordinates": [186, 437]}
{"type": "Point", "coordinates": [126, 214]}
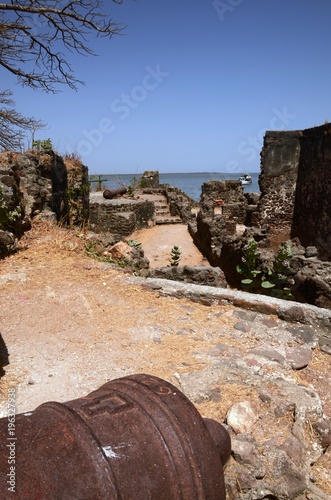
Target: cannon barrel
{"type": "Point", "coordinates": [109, 194]}
{"type": "Point", "coordinates": [135, 438]}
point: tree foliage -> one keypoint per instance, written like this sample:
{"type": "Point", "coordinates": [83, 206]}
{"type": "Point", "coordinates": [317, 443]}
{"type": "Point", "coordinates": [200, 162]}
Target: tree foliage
{"type": "Point", "coordinates": [34, 37]}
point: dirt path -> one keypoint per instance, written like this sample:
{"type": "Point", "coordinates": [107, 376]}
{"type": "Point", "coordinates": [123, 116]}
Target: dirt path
{"type": "Point", "coordinates": [158, 241]}
{"type": "Point", "coordinates": [71, 323]}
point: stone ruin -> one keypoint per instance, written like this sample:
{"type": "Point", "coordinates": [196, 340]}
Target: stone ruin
{"type": "Point", "coordinates": [295, 204]}
{"type": "Point", "coordinates": [40, 184]}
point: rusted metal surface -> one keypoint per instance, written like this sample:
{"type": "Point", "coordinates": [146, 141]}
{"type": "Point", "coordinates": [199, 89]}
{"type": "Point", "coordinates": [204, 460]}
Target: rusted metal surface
{"type": "Point", "coordinates": [135, 438]}
{"type": "Point", "coordinates": [109, 194]}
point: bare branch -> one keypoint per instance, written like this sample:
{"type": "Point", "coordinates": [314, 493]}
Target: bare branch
{"type": "Point", "coordinates": [12, 123]}
{"type": "Point", "coordinates": [33, 34]}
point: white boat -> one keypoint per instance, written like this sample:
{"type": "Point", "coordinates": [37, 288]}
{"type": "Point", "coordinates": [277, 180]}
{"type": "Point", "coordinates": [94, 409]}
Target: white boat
{"type": "Point", "coordinates": [245, 179]}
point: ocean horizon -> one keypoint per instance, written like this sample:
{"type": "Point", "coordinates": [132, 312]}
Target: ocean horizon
{"type": "Point", "coordinates": [189, 182]}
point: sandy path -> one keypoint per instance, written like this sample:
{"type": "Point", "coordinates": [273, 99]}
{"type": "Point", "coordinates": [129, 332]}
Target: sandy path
{"type": "Point", "coordinates": [158, 241]}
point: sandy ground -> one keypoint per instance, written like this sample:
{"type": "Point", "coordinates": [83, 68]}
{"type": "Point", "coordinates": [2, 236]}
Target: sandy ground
{"type": "Point", "coordinates": [159, 240]}
{"type": "Point", "coordinates": [71, 323]}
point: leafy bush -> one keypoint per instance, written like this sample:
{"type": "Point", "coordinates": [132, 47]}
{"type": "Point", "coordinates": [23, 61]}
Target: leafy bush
{"type": "Point", "coordinates": [275, 281]}
{"type": "Point", "coordinates": [43, 146]}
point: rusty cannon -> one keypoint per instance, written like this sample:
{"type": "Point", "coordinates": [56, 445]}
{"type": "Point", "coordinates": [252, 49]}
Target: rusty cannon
{"type": "Point", "coordinates": [135, 438]}
{"type": "Point", "coordinates": [109, 194]}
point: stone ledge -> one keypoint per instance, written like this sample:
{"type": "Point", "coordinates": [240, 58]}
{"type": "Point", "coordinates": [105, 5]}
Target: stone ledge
{"type": "Point", "coordinates": [290, 311]}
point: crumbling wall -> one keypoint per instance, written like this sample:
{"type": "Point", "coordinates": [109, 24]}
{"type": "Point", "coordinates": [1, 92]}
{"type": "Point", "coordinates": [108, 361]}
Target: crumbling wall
{"type": "Point", "coordinates": [312, 204]}
{"type": "Point", "coordinates": [150, 178]}
{"type": "Point", "coordinates": [120, 216]}
{"type": "Point", "coordinates": [223, 206]}
{"type": "Point", "coordinates": [78, 190]}
{"type": "Point", "coordinates": [36, 183]}
{"type": "Point", "coordinates": [280, 157]}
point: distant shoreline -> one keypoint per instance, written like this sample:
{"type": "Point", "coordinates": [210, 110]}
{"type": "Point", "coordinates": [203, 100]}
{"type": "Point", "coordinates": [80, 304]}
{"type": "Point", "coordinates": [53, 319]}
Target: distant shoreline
{"type": "Point", "coordinates": [189, 182]}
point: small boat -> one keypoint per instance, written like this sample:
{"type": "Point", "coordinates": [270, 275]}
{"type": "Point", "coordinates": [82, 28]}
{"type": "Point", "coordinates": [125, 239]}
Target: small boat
{"type": "Point", "coordinates": [245, 179]}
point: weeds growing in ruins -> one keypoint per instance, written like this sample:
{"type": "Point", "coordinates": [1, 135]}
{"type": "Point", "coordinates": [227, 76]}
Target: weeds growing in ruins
{"type": "Point", "coordinates": [275, 281]}
{"type": "Point", "coordinates": [175, 256]}
{"type": "Point", "coordinates": [7, 217]}
{"type": "Point", "coordinates": [92, 251]}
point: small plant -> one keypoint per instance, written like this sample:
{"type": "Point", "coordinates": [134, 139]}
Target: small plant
{"type": "Point", "coordinates": [43, 146]}
{"type": "Point", "coordinates": [134, 243]}
{"type": "Point", "coordinates": [175, 256]}
{"type": "Point", "coordinates": [7, 217]}
{"type": "Point", "coordinates": [131, 191]}
{"type": "Point", "coordinates": [248, 267]}
{"type": "Point", "coordinates": [275, 281]}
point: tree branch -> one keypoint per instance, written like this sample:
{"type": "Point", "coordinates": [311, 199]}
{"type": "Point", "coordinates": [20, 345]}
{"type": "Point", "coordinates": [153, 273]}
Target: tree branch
{"type": "Point", "coordinates": [12, 123]}
{"type": "Point", "coordinates": [32, 33]}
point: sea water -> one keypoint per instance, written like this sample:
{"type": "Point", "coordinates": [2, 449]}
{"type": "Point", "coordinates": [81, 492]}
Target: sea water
{"type": "Point", "coordinates": [190, 183]}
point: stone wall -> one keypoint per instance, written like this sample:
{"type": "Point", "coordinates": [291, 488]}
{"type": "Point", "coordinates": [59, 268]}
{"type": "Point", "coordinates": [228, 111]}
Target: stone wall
{"type": "Point", "coordinates": [223, 206]}
{"type": "Point", "coordinates": [312, 203]}
{"type": "Point", "coordinates": [120, 216]}
{"type": "Point", "coordinates": [226, 198]}
{"type": "Point", "coordinates": [280, 157]}
{"type": "Point", "coordinates": [78, 192]}
{"type": "Point", "coordinates": [40, 179]}
{"type": "Point", "coordinates": [37, 183]}
{"type": "Point", "coordinates": [295, 188]}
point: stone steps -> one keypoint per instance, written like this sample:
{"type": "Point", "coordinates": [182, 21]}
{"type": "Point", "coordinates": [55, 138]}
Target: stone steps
{"type": "Point", "coordinates": [174, 220]}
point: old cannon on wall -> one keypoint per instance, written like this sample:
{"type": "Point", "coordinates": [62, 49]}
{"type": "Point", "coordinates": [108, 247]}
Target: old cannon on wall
{"type": "Point", "coordinates": [109, 194]}
{"type": "Point", "coordinates": [135, 438]}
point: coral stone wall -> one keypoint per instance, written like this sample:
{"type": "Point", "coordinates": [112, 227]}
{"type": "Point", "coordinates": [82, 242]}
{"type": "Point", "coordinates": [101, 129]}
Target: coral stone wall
{"type": "Point", "coordinates": [312, 205]}
{"type": "Point", "coordinates": [280, 157]}
{"type": "Point", "coordinates": [120, 216]}
{"type": "Point", "coordinates": [78, 192]}
{"type": "Point", "coordinates": [295, 183]}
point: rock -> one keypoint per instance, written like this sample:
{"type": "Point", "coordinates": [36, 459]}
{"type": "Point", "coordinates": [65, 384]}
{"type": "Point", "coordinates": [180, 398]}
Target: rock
{"type": "Point", "coordinates": [311, 252]}
{"type": "Point", "coordinates": [270, 354]}
{"type": "Point", "coordinates": [303, 334]}
{"type": "Point", "coordinates": [242, 417]}
{"type": "Point", "coordinates": [287, 481]}
{"type": "Point", "coordinates": [245, 452]}
{"type": "Point", "coordinates": [200, 275]}
{"type": "Point", "coordinates": [8, 243]}
{"type": "Point", "coordinates": [298, 357]}
{"type": "Point", "coordinates": [324, 343]}
{"type": "Point", "coordinates": [294, 449]}
{"type": "Point", "coordinates": [323, 428]}
{"type": "Point", "coordinates": [242, 327]}
{"type": "Point", "coordinates": [120, 250]}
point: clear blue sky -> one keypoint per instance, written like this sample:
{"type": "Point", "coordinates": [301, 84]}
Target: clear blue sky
{"type": "Point", "coordinates": [192, 85]}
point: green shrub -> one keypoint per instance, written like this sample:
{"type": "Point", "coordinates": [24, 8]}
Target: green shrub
{"type": "Point", "coordinates": [275, 281]}
{"type": "Point", "coordinates": [43, 146]}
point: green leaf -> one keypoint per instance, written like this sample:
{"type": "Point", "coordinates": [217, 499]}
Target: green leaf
{"type": "Point", "coordinates": [246, 281]}
{"type": "Point", "coordinates": [267, 284]}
